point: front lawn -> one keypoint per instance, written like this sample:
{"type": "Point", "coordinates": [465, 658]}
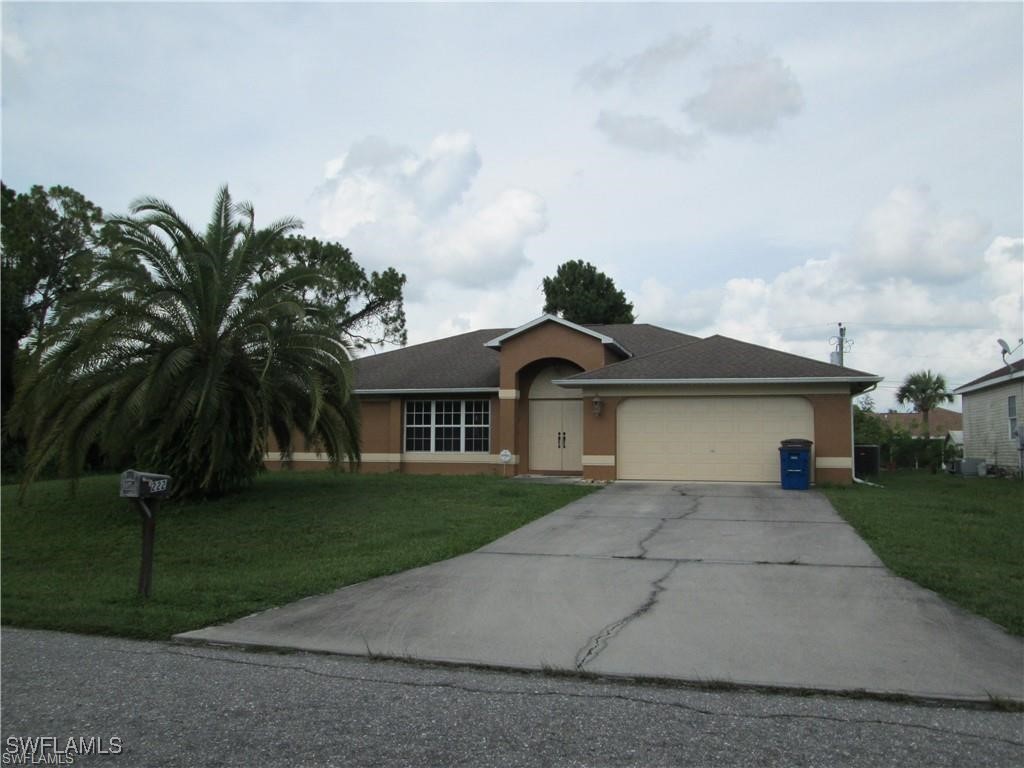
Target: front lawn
{"type": "Point", "coordinates": [72, 563]}
{"type": "Point", "coordinates": [962, 537]}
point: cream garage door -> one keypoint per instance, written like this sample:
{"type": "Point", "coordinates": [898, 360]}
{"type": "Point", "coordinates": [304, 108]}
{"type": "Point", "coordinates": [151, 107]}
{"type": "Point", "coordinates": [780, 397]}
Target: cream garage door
{"type": "Point", "coordinates": [708, 438]}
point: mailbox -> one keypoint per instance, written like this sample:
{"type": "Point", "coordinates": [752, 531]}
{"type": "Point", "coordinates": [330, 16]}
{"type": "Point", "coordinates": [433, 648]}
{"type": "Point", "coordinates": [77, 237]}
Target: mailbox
{"type": "Point", "coordinates": [141, 486]}
{"type": "Point", "coordinates": [144, 485]}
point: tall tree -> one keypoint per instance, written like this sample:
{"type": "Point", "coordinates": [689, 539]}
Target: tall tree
{"type": "Point", "coordinates": [926, 390]}
{"type": "Point", "coordinates": [581, 294]}
{"type": "Point", "coordinates": [177, 357]}
{"type": "Point", "coordinates": [367, 311]}
{"type": "Point", "coordinates": [50, 239]}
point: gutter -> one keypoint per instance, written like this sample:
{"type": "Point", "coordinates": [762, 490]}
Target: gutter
{"type": "Point", "coordinates": [654, 382]}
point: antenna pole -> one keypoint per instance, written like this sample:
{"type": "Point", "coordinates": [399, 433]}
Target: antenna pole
{"type": "Point", "coordinates": [842, 345]}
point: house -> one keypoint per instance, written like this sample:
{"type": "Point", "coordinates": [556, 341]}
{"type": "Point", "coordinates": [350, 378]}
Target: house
{"type": "Point", "coordinates": [602, 401]}
{"type": "Point", "coordinates": [941, 421]}
{"type": "Point", "coordinates": [990, 405]}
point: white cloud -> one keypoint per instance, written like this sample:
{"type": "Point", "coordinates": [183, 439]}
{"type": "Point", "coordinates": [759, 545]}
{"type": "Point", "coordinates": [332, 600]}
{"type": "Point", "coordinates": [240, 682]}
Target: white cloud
{"type": "Point", "coordinates": [445, 174]}
{"type": "Point", "coordinates": [906, 235]}
{"type": "Point", "coordinates": [645, 66]}
{"type": "Point", "coordinates": [14, 48]}
{"type": "Point", "coordinates": [646, 133]}
{"type": "Point", "coordinates": [748, 97]}
{"type": "Point", "coordinates": [489, 245]}
{"type": "Point", "coordinates": [394, 208]}
{"type": "Point", "coordinates": [901, 317]}
{"type": "Point", "coordinates": [1004, 273]}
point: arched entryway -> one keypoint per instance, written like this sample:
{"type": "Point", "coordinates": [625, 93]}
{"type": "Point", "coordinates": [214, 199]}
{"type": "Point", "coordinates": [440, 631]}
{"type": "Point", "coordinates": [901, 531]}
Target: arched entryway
{"type": "Point", "coordinates": [556, 422]}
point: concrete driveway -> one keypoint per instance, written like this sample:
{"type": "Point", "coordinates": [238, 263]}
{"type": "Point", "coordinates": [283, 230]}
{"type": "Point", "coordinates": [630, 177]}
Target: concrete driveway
{"type": "Point", "coordinates": [745, 584]}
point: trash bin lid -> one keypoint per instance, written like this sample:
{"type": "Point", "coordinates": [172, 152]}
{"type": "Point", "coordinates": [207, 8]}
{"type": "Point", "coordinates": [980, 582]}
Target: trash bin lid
{"type": "Point", "coordinates": [796, 442]}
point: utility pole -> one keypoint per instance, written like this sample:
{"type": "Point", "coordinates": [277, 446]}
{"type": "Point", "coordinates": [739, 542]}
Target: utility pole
{"type": "Point", "coordinates": [841, 344]}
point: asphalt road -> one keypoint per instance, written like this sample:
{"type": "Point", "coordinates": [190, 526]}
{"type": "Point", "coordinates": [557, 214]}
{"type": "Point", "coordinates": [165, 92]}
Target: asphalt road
{"type": "Point", "coordinates": [173, 705]}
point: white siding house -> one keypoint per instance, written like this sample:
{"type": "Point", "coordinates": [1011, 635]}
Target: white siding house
{"type": "Point", "coordinates": [993, 407]}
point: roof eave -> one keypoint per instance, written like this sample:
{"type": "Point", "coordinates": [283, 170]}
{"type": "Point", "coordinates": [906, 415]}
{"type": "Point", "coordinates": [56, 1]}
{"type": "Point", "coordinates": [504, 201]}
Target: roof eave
{"type": "Point", "coordinates": [662, 382]}
{"type": "Point", "coordinates": [1006, 379]}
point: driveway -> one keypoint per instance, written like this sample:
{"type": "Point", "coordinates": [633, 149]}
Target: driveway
{"type": "Point", "coordinates": [744, 584]}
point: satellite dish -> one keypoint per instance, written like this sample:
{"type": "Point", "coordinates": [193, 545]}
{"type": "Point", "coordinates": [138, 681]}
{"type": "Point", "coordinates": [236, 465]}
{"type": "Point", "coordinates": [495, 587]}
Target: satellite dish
{"type": "Point", "coordinates": [1003, 346]}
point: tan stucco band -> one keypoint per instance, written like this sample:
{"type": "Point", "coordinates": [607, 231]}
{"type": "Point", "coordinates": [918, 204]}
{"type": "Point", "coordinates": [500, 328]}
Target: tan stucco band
{"type": "Point", "coordinates": [508, 394]}
{"type": "Point", "coordinates": [299, 456]}
{"type": "Point", "coordinates": [453, 458]}
{"type": "Point", "coordinates": [833, 462]}
{"type": "Point", "coordinates": [598, 461]}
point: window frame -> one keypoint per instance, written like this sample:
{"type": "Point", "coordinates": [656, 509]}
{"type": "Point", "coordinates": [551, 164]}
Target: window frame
{"type": "Point", "coordinates": [1011, 416]}
{"type": "Point", "coordinates": [442, 421]}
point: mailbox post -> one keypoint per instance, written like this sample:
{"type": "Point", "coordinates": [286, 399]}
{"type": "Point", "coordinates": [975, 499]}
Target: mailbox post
{"type": "Point", "coordinates": [146, 489]}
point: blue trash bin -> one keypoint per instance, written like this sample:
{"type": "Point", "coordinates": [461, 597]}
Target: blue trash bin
{"type": "Point", "coordinates": [795, 464]}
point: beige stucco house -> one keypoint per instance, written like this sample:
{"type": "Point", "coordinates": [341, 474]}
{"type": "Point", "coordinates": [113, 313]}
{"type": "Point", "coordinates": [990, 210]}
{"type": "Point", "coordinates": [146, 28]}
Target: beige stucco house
{"type": "Point", "coordinates": [604, 402]}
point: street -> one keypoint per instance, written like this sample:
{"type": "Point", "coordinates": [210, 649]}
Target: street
{"type": "Point", "coordinates": [174, 705]}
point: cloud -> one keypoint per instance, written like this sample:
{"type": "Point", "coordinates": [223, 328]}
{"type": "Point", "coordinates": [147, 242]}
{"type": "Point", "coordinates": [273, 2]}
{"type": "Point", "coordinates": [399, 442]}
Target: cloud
{"type": "Point", "coordinates": [906, 235]}
{"type": "Point", "coordinates": [488, 245]}
{"type": "Point", "coordinates": [748, 97]}
{"type": "Point", "coordinates": [14, 48]}
{"type": "Point", "coordinates": [935, 311]}
{"type": "Point", "coordinates": [646, 66]}
{"type": "Point", "coordinates": [395, 208]}
{"type": "Point", "coordinates": [1004, 273]}
{"type": "Point", "coordinates": [646, 133]}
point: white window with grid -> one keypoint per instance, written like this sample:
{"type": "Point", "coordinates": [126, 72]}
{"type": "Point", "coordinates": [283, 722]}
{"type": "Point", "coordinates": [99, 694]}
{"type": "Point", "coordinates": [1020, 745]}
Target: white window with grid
{"type": "Point", "coordinates": [448, 426]}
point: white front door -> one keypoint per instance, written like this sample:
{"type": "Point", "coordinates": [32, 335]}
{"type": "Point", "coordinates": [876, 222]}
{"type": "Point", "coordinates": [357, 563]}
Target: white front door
{"type": "Point", "coordinates": [556, 435]}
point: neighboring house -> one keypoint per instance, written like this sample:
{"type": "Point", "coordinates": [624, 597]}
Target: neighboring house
{"type": "Point", "coordinates": [991, 406]}
{"type": "Point", "coordinates": [602, 401]}
{"type": "Point", "coordinates": [941, 422]}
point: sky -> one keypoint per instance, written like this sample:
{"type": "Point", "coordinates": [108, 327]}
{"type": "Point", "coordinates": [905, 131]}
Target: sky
{"type": "Point", "coordinates": [763, 171]}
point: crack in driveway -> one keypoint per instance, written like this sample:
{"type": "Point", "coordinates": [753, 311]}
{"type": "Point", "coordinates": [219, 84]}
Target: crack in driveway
{"type": "Point", "coordinates": [593, 647]}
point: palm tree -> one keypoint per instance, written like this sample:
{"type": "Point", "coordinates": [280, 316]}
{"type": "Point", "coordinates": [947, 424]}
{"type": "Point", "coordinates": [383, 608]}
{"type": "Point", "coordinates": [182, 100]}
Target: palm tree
{"type": "Point", "coordinates": [178, 356]}
{"type": "Point", "coordinates": [925, 390]}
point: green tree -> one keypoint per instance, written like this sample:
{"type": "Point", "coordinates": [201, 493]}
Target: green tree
{"type": "Point", "coordinates": [176, 357]}
{"type": "Point", "coordinates": [868, 427]}
{"type": "Point", "coordinates": [364, 310]}
{"type": "Point", "coordinates": [926, 390]}
{"type": "Point", "coordinates": [50, 239]}
{"type": "Point", "coordinates": [581, 294]}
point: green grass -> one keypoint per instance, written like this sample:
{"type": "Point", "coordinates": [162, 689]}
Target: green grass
{"type": "Point", "coordinates": [962, 537]}
{"type": "Point", "coordinates": [72, 563]}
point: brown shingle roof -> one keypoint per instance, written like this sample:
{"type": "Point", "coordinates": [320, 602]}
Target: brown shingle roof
{"type": "Point", "coordinates": [721, 358]}
{"type": "Point", "coordinates": [940, 421]}
{"type": "Point", "coordinates": [457, 362]}
{"type": "Point", "coordinates": [643, 338]}
{"type": "Point", "coordinates": [463, 362]}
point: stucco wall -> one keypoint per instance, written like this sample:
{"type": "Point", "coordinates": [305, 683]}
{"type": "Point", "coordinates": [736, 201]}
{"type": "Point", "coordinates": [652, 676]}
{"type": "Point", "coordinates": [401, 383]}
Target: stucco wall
{"type": "Point", "coordinates": [986, 425]}
{"type": "Point", "coordinates": [548, 341]}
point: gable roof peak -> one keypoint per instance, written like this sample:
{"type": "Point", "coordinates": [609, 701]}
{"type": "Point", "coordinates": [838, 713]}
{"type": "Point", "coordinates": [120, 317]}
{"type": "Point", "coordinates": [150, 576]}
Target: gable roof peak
{"type": "Point", "coordinates": [497, 341]}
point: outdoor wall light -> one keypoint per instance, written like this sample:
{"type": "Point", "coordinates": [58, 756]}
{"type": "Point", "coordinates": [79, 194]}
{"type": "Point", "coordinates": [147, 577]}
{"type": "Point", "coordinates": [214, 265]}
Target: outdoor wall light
{"type": "Point", "coordinates": [598, 404]}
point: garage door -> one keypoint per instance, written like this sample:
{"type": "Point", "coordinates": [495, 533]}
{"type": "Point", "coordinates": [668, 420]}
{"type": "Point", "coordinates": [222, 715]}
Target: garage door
{"type": "Point", "coordinates": [708, 438]}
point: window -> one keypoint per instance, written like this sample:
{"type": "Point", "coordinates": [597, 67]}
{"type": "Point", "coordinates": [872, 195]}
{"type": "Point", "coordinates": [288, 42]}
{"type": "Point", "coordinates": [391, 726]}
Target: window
{"type": "Point", "coordinates": [1011, 414]}
{"type": "Point", "coordinates": [459, 426]}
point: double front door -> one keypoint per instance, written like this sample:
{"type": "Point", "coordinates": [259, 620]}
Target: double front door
{"type": "Point", "coordinates": [556, 435]}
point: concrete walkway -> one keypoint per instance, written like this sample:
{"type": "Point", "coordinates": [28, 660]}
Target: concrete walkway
{"type": "Point", "coordinates": [740, 583]}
